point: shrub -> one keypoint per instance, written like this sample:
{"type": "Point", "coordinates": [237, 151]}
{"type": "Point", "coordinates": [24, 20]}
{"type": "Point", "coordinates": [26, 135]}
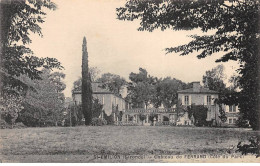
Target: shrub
{"type": "Point", "coordinates": [142, 118]}
{"type": "Point", "coordinates": [97, 108]}
{"type": "Point", "coordinates": [4, 124]}
{"type": "Point", "coordinates": [41, 123]}
{"type": "Point", "coordinates": [19, 125]}
{"type": "Point", "coordinates": [28, 119]}
{"type": "Point", "coordinates": [48, 123]}
{"type": "Point", "coordinates": [67, 123]}
{"type": "Point", "coordinates": [76, 112]}
{"type": "Point", "coordinates": [98, 122]}
{"type": "Point", "coordinates": [80, 122]}
{"type": "Point", "coordinates": [130, 123]}
{"type": "Point", "coordinates": [164, 123]}
{"type": "Point", "coordinates": [172, 124]}
{"type": "Point", "coordinates": [253, 147]}
{"type": "Point", "coordinates": [199, 113]}
{"type": "Point", "coordinates": [120, 115]}
{"type": "Point", "coordinates": [104, 122]}
{"type": "Point", "coordinates": [130, 118]}
{"type": "Point", "coordinates": [165, 118]}
{"type": "Point", "coordinates": [73, 121]}
{"type": "Point", "coordinates": [152, 116]}
{"type": "Point", "coordinates": [109, 119]}
{"type": "Point", "coordinates": [158, 124]}
{"type": "Point", "coordinates": [242, 123]}
{"type": "Point", "coordinates": [11, 105]}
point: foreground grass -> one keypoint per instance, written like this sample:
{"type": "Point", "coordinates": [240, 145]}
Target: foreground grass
{"type": "Point", "coordinates": [123, 140]}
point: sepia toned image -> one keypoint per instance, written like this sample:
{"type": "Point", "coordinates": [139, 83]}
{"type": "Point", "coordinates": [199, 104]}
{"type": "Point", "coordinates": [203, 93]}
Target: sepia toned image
{"type": "Point", "coordinates": [130, 81]}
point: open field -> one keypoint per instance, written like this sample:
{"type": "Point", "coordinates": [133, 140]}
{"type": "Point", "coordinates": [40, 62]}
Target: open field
{"type": "Point", "coordinates": [81, 144]}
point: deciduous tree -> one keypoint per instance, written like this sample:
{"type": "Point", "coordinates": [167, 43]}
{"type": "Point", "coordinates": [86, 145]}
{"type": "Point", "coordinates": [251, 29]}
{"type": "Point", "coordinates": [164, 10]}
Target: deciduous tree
{"type": "Point", "coordinates": [18, 19]}
{"type": "Point", "coordinates": [47, 97]}
{"type": "Point", "coordinates": [166, 92]}
{"type": "Point", "coordinates": [94, 72]}
{"type": "Point", "coordinates": [114, 83]}
{"type": "Point", "coordinates": [214, 79]}
{"type": "Point", "coordinates": [140, 89]}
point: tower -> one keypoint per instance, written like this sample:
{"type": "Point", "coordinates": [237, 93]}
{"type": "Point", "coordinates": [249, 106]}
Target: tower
{"type": "Point", "coordinates": [86, 97]}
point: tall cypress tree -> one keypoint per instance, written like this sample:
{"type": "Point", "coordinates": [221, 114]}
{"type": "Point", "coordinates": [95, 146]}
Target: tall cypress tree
{"type": "Point", "coordinates": [86, 96]}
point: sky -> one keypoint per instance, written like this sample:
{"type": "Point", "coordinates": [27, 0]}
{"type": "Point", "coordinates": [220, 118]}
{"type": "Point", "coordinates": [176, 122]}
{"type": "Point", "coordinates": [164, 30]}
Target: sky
{"type": "Point", "coordinates": [115, 46]}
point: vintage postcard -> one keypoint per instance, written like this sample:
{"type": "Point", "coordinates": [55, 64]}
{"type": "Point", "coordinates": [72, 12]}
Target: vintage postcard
{"type": "Point", "coordinates": [129, 81]}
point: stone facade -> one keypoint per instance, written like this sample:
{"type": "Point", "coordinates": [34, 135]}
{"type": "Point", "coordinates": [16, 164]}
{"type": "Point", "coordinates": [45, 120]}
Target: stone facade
{"type": "Point", "coordinates": [232, 113]}
{"type": "Point", "coordinates": [105, 97]}
{"type": "Point", "coordinates": [199, 95]}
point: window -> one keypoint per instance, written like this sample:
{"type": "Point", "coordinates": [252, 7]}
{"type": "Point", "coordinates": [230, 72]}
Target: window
{"type": "Point", "coordinates": [232, 108]}
{"type": "Point", "coordinates": [208, 100]}
{"type": "Point", "coordinates": [234, 121]}
{"type": "Point", "coordinates": [230, 121]}
{"type": "Point", "coordinates": [186, 99]}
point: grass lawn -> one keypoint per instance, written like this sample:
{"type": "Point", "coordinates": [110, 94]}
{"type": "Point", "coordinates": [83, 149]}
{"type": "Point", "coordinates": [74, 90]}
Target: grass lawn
{"type": "Point", "coordinates": [81, 144]}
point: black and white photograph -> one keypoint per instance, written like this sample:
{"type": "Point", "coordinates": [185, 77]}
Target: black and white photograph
{"type": "Point", "coordinates": [130, 81]}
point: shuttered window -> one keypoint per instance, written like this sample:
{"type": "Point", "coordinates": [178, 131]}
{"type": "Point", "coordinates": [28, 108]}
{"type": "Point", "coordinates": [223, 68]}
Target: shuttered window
{"type": "Point", "coordinates": [186, 99]}
{"type": "Point", "coordinates": [230, 121]}
{"type": "Point", "coordinates": [208, 100]}
{"type": "Point", "coordinates": [234, 121]}
{"type": "Point", "coordinates": [232, 108]}
{"type": "Point", "coordinates": [103, 99]}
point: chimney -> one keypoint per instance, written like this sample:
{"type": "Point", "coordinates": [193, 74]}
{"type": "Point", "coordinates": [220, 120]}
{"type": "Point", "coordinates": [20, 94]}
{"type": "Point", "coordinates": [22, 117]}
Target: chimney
{"type": "Point", "coordinates": [196, 86]}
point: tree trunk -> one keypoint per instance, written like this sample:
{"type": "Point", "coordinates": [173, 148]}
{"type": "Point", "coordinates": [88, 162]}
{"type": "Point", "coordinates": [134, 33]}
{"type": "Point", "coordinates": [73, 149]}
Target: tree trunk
{"type": "Point", "coordinates": [5, 23]}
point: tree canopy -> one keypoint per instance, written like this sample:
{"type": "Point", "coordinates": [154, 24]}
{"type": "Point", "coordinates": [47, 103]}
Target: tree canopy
{"type": "Point", "coordinates": [114, 83]}
{"type": "Point", "coordinates": [166, 92]}
{"type": "Point", "coordinates": [140, 89]}
{"type": "Point", "coordinates": [19, 19]}
{"type": "Point", "coordinates": [77, 85]}
{"type": "Point", "coordinates": [214, 79]}
{"type": "Point", "coordinates": [48, 96]}
{"type": "Point", "coordinates": [145, 90]}
{"type": "Point", "coordinates": [235, 24]}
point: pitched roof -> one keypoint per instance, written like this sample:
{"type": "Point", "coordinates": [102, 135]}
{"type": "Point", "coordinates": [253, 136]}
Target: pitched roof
{"type": "Point", "coordinates": [201, 90]}
{"type": "Point", "coordinates": [96, 89]}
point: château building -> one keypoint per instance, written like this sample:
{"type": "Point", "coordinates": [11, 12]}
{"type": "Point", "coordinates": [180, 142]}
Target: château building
{"type": "Point", "coordinates": [199, 95]}
{"type": "Point", "coordinates": [105, 97]}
